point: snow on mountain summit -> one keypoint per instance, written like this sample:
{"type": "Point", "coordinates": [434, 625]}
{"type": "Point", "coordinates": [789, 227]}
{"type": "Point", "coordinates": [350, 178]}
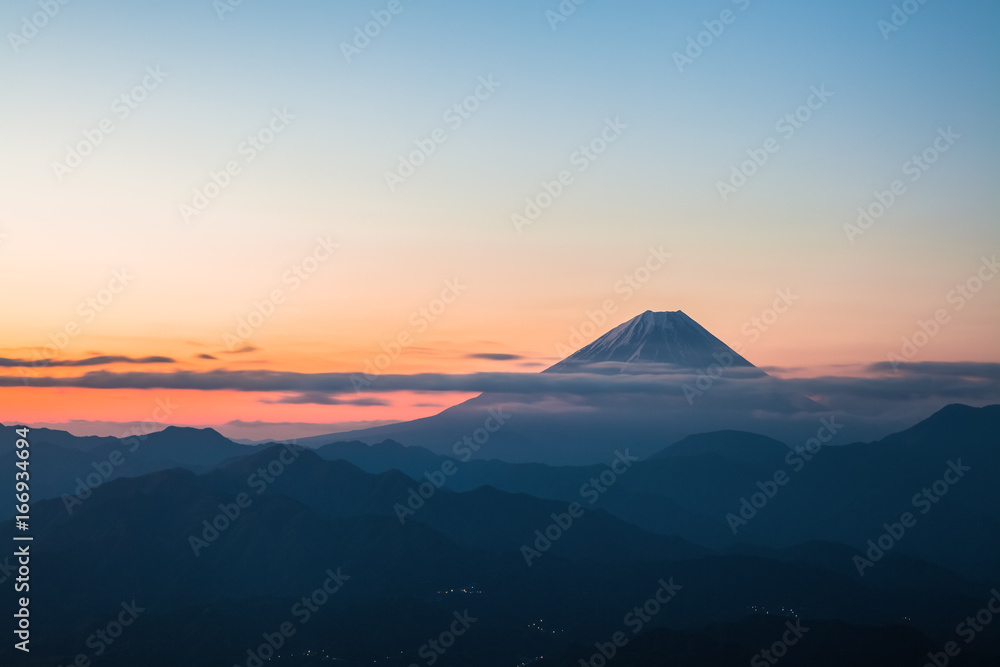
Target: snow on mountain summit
{"type": "Point", "coordinates": [669, 337]}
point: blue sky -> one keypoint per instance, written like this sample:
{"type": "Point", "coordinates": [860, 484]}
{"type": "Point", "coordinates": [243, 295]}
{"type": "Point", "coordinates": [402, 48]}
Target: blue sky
{"type": "Point", "coordinates": [656, 185]}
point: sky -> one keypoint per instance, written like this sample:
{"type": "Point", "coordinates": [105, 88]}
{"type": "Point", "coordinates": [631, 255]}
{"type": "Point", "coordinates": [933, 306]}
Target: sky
{"type": "Point", "coordinates": [171, 171]}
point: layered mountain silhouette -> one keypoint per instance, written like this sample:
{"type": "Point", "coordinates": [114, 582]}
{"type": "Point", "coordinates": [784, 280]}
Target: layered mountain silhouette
{"type": "Point", "coordinates": [461, 548]}
{"type": "Point", "coordinates": [74, 465]}
{"type": "Point", "coordinates": [687, 490]}
{"type": "Point", "coordinates": [693, 383]}
{"type": "Point", "coordinates": [575, 508]}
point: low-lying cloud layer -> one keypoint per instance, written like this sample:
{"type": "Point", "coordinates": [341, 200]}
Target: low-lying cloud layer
{"type": "Point", "coordinates": [89, 361]}
{"type": "Point", "coordinates": [911, 381]}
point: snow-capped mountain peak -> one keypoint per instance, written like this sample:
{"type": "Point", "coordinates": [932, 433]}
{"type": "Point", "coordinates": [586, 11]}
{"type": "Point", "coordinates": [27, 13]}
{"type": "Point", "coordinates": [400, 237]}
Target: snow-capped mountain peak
{"type": "Point", "coordinates": [669, 337]}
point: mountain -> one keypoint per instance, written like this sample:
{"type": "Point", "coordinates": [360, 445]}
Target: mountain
{"type": "Point", "coordinates": [735, 445]}
{"type": "Point", "coordinates": [131, 544]}
{"type": "Point", "coordinates": [188, 446]}
{"type": "Point", "coordinates": [843, 493]}
{"type": "Point", "coordinates": [686, 382]}
{"type": "Point", "coordinates": [484, 518]}
{"type": "Point", "coordinates": [952, 422]}
{"type": "Point", "coordinates": [383, 456]}
{"type": "Point", "coordinates": [653, 338]}
{"type": "Point", "coordinates": [75, 465]}
{"type": "Point", "coordinates": [60, 438]}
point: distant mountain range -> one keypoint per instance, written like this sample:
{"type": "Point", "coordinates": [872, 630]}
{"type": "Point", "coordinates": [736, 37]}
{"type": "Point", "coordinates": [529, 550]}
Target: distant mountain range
{"type": "Point", "coordinates": [702, 383]}
{"type": "Point", "coordinates": [555, 524]}
{"type": "Point", "coordinates": [663, 517]}
{"type": "Point", "coordinates": [687, 489]}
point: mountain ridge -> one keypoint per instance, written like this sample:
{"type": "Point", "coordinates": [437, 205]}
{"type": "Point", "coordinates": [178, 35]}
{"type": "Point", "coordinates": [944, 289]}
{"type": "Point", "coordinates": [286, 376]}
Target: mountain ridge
{"type": "Point", "coordinates": [662, 337]}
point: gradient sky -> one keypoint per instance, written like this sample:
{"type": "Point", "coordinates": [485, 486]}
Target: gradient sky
{"type": "Point", "coordinates": [323, 176]}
